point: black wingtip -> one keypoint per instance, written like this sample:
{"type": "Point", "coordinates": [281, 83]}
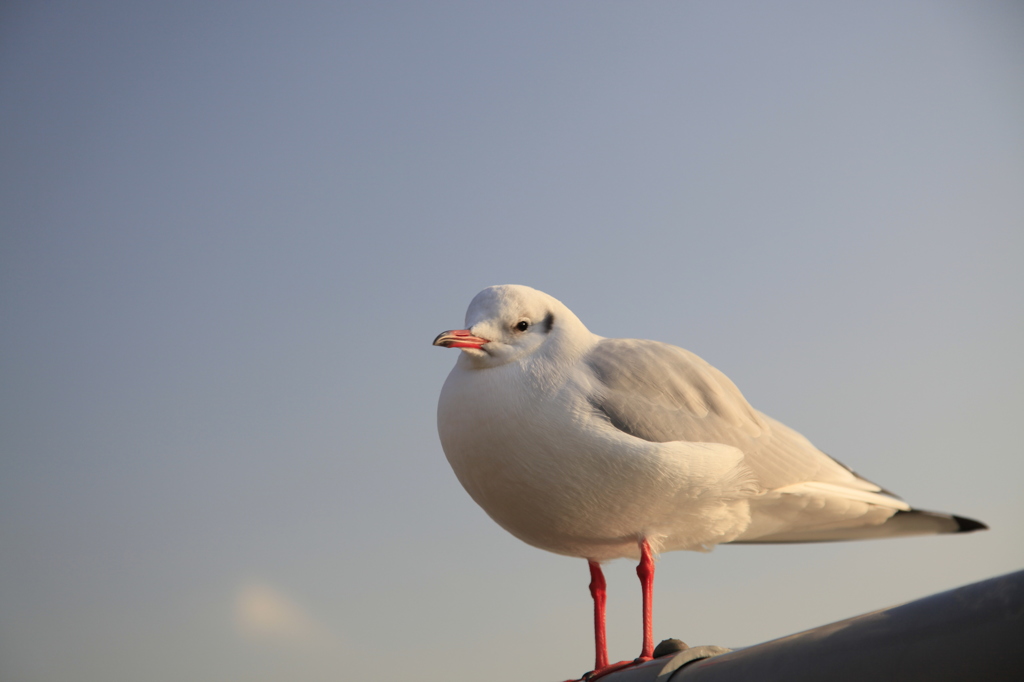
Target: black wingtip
{"type": "Point", "coordinates": [967, 525]}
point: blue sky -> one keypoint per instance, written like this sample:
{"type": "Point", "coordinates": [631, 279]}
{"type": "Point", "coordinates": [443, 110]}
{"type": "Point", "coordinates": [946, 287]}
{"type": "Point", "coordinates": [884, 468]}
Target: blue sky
{"type": "Point", "coordinates": [230, 232]}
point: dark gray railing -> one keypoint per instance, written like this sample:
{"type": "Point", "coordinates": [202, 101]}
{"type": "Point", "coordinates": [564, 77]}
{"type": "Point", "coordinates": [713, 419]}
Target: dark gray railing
{"type": "Point", "coordinates": [975, 632]}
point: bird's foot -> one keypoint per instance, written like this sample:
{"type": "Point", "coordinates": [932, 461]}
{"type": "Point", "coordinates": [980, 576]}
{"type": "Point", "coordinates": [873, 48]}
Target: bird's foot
{"type": "Point", "coordinates": [668, 647]}
{"type": "Point", "coordinates": [608, 669]}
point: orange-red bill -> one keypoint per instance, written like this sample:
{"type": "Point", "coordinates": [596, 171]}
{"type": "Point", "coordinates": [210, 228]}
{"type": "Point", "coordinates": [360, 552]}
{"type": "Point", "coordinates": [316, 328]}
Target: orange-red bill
{"type": "Point", "coordinates": [459, 338]}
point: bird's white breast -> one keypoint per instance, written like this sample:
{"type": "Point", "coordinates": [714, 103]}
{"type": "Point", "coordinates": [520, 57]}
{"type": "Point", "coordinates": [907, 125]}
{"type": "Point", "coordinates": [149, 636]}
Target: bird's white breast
{"type": "Point", "coordinates": [530, 450]}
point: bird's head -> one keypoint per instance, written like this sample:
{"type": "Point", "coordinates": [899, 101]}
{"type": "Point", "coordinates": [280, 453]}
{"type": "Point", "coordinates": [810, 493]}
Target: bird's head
{"type": "Point", "coordinates": [511, 321]}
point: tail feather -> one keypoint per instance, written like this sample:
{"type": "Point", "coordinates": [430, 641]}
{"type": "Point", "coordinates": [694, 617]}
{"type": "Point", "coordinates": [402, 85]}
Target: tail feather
{"type": "Point", "coordinates": [902, 523]}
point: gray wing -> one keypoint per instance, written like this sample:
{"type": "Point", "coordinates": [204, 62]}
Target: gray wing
{"type": "Point", "coordinates": [663, 393]}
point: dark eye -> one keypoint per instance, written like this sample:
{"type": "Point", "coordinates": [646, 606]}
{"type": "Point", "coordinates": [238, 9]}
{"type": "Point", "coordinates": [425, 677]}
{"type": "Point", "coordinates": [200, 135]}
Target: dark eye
{"type": "Point", "coordinates": [522, 326]}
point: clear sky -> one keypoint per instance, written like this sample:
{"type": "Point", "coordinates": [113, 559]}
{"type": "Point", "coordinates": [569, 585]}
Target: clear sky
{"type": "Point", "coordinates": [231, 230]}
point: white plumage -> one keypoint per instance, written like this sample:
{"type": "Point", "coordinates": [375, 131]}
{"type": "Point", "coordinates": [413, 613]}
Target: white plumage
{"type": "Point", "coordinates": [588, 446]}
{"type": "Point", "coordinates": [580, 445]}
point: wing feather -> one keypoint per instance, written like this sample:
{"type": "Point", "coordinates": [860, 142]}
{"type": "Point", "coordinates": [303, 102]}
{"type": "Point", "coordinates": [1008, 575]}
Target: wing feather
{"type": "Point", "coordinates": [663, 393]}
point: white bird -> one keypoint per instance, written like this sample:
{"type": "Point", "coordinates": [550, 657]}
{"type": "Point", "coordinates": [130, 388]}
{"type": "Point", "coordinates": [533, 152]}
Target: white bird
{"type": "Point", "coordinates": [606, 448]}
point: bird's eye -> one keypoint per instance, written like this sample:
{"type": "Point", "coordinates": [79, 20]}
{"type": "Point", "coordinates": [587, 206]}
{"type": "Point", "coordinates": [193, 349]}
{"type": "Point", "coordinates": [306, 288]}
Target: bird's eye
{"type": "Point", "coordinates": [522, 326]}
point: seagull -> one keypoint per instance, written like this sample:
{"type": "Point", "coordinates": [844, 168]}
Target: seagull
{"type": "Point", "coordinates": [603, 448]}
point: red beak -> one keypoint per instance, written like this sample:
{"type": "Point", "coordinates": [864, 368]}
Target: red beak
{"type": "Point", "coordinates": [459, 338]}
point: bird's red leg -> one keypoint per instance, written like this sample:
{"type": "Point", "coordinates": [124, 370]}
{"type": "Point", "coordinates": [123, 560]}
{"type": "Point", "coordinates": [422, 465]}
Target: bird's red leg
{"type": "Point", "coordinates": [645, 571]}
{"type": "Point", "coordinates": [597, 590]}
{"type": "Point", "coordinates": [600, 595]}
